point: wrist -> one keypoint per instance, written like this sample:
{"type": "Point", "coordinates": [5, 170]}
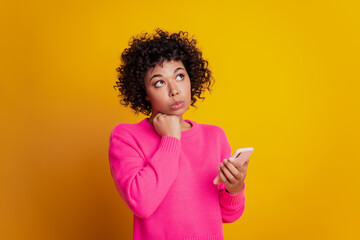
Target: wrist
{"type": "Point", "coordinates": [234, 193]}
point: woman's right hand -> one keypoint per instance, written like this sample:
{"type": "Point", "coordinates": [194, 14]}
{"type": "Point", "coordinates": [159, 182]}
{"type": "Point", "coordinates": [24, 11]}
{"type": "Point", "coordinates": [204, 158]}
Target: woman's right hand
{"type": "Point", "coordinates": [167, 125]}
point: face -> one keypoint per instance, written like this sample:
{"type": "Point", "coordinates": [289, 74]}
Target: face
{"type": "Point", "coordinates": [167, 84]}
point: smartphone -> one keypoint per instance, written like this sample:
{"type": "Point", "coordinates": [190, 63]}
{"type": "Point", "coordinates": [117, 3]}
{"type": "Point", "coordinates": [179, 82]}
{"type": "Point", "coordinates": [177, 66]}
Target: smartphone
{"type": "Point", "coordinates": [239, 158]}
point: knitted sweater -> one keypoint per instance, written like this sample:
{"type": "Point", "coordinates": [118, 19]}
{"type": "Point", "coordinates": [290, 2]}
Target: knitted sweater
{"type": "Point", "coordinates": [168, 183]}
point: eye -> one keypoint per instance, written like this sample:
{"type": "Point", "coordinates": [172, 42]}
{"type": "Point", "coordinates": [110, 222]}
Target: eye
{"type": "Point", "coordinates": [157, 82]}
{"type": "Point", "coordinates": [182, 75]}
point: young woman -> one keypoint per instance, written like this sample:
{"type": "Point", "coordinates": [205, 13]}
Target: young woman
{"type": "Point", "coordinates": [164, 166]}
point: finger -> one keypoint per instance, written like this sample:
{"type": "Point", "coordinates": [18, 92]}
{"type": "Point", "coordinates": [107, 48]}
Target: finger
{"type": "Point", "coordinates": [236, 164]}
{"type": "Point", "coordinates": [242, 169]}
{"type": "Point", "coordinates": [232, 168]}
{"type": "Point", "coordinates": [163, 115]}
{"type": "Point", "coordinates": [242, 174]}
{"type": "Point", "coordinates": [223, 178]}
{"type": "Point", "coordinates": [246, 163]}
{"type": "Point", "coordinates": [157, 116]}
{"type": "Point", "coordinates": [228, 174]}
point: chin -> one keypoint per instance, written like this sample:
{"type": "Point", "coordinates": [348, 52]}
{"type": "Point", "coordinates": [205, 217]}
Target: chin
{"type": "Point", "coordinates": [175, 113]}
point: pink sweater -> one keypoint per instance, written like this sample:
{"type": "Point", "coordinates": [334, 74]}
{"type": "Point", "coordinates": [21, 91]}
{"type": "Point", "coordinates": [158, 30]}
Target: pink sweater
{"type": "Point", "coordinates": [168, 183]}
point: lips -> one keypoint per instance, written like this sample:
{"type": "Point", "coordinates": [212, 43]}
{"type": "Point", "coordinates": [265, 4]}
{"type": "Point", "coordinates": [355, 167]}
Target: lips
{"type": "Point", "coordinates": [177, 103]}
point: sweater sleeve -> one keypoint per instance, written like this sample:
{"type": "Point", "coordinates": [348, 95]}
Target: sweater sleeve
{"type": "Point", "coordinates": [232, 205]}
{"type": "Point", "coordinates": [143, 184]}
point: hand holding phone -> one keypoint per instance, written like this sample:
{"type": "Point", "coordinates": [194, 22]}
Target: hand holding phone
{"type": "Point", "coordinates": [239, 158]}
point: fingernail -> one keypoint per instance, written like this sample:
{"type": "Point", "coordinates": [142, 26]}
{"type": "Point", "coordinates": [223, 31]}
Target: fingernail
{"type": "Point", "coordinates": [225, 160]}
{"type": "Point", "coordinates": [222, 164]}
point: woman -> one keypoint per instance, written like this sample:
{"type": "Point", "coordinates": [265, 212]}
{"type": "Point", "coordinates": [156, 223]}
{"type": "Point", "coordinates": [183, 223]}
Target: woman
{"type": "Point", "coordinates": [164, 166]}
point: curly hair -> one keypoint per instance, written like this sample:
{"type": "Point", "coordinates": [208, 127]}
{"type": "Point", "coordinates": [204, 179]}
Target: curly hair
{"type": "Point", "coordinates": [146, 52]}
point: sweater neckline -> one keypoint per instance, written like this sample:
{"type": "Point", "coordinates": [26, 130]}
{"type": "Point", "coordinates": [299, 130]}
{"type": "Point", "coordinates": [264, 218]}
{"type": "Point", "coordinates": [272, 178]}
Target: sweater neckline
{"type": "Point", "coordinates": [194, 124]}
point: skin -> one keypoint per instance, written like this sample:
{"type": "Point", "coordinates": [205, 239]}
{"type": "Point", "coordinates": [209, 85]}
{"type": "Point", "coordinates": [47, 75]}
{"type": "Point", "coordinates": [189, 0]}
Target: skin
{"type": "Point", "coordinates": [163, 90]}
{"type": "Point", "coordinates": [233, 176]}
{"type": "Point", "coordinates": [174, 84]}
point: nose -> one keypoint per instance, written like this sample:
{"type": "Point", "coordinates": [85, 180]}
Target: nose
{"type": "Point", "coordinates": [174, 93]}
{"type": "Point", "coordinates": [174, 90]}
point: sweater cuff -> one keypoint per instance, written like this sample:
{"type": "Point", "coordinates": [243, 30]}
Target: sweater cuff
{"type": "Point", "coordinates": [170, 145]}
{"type": "Point", "coordinates": [233, 199]}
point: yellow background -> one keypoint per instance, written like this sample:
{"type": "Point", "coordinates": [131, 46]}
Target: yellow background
{"type": "Point", "coordinates": [287, 84]}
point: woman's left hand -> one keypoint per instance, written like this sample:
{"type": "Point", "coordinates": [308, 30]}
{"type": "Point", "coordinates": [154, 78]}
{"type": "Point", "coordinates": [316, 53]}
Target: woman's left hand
{"type": "Point", "coordinates": [232, 176]}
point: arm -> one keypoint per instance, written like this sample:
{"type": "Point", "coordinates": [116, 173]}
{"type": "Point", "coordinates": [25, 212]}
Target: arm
{"type": "Point", "coordinates": [232, 205]}
{"type": "Point", "coordinates": [143, 185]}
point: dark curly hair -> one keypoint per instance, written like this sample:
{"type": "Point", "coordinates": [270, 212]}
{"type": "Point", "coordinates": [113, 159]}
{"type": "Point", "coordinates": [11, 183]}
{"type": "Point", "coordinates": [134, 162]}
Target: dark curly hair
{"type": "Point", "coordinates": [146, 52]}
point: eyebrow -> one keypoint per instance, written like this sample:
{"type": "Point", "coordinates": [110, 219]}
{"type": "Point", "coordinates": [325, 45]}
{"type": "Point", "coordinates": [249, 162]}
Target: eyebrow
{"type": "Point", "coordinates": [159, 75]}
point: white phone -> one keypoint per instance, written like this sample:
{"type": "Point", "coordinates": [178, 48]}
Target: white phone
{"type": "Point", "coordinates": [239, 158]}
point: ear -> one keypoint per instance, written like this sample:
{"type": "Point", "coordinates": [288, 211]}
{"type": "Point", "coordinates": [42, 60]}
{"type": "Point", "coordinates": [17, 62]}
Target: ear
{"type": "Point", "coordinates": [147, 98]}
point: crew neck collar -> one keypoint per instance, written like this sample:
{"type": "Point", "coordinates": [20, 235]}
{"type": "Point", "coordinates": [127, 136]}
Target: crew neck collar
{"type": "Point", "coordinates": [146, 123]}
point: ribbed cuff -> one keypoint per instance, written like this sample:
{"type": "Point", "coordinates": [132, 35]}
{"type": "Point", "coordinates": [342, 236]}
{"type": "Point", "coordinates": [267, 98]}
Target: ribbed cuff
{"type": "Point", "coordinates": [170, 145]}
{"type": "Point", "coordinates": [233, 199]}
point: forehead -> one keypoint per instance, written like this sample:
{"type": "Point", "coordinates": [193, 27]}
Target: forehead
{"type": "Point", "coordinates": [165, 67]}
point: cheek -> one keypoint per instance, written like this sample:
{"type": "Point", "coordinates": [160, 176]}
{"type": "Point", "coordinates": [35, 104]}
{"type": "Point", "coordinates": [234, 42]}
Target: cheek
{"type": "Point", "coordinates": [188, 89]}
{"type": "Point", "coordinates": [158, 96]}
